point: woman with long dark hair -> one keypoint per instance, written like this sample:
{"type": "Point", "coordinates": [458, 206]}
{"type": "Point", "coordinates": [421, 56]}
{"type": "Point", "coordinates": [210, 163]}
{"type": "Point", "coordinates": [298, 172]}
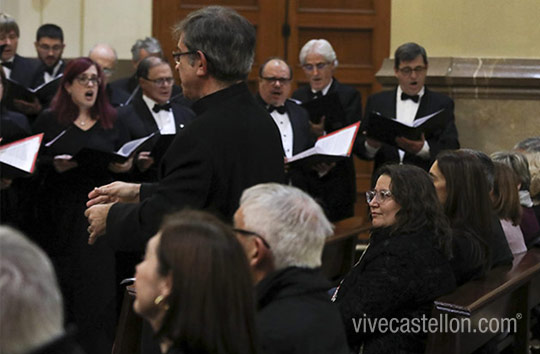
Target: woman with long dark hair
{"type": "Point", "coordinates": [462, 188]}
{"type": "Point", "coordinates": [80, 117]}
{"type": "Point", "coordinates": [404, 268]}
{"type": "Point", "coordinates": [194, 287]}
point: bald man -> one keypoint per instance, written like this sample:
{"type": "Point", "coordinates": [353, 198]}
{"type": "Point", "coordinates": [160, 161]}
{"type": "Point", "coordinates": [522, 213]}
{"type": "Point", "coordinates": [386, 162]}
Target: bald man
{"type": "Point", "coordinates": [105, 56]}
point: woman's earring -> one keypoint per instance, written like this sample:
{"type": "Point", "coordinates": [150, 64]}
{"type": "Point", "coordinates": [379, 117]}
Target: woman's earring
{"type": "Point", "coordinates": [159, 302]}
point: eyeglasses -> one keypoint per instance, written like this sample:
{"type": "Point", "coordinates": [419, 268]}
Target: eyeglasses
{"type": "Point", "coordinates": [177, 55]}
{"type": "Point", "coordinates": [381, 196]}
{"type": "Point", "coordinates": [164, 81]}
{"type": "Point", "coordinates": [251, 233]}
{"type": "Point", "coordinates": [84, 80]}
{"type": "Point", "coordinates": [47, 48]}
{"type": "Point", "coordinates": [108, 72]}
{"type": "Point", "coordinates": [310, 67]}
{"type": "Point", "coordinates": [273, 80]}
{"type": "Point", "coordinates": [408, 70]}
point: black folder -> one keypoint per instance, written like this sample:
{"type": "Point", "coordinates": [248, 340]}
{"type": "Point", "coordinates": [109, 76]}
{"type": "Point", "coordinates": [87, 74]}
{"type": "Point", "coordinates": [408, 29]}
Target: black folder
{"type": "Point", "coordinates": [17, 91]}
{"type": "Point", "coordinates": [386, 129]}
{"type": "Point", "coordinates": [328, 106]}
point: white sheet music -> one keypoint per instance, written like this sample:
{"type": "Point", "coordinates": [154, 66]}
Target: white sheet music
{"type": "Point", "coordinates": [21, 154]}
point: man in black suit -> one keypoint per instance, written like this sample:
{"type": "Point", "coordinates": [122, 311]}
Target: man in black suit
{"type": "Point", "coordinates": [291, 119]}
{"type": "Point", "coordinates": [49, 46]}
{"type": "Point", "coordinates": [231, 145]}
{"type": "Point", "coordinates": [152, 112]}
{"type": "Point", "coordinates": [335, 184]}
{"type": "Point", "coordinates": [408, 101]}
{"type": "Point", "coordinates": [15, 67]}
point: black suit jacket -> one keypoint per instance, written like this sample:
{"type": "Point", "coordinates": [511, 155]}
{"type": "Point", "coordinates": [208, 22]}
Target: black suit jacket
{"type": "Point", "coordinates": [232, 144]}
{"type": "Point", "coordinates": [336, 191]}
{"type": "Point", "coordinates": [140, 122]}
{"type": "Point", "coordinates": [23, 70]}
{"type": "Point", "coordinates": [439, 139]}
{"type": "Point", "coordinates": [38, 80]}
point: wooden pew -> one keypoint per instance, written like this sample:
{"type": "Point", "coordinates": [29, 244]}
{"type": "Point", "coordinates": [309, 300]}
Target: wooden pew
{"type": "Point", "coordinates": [507, 292]}
{"type": "Point", "coordinates": [339, 249]}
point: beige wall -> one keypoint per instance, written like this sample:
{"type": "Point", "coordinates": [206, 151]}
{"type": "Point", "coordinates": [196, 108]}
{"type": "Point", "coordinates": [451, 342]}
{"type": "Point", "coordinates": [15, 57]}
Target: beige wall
{"type": "Point", "coordinates": [468, 28]}
{"type": "Point", "coordinates": [85, 23]}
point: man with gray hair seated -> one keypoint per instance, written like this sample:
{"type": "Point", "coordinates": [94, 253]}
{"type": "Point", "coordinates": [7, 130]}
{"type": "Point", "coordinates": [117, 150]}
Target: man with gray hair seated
{"type": "Point", "coordinates": [283, 231]}
{"type": "Point", "coordinates": [31, 309]}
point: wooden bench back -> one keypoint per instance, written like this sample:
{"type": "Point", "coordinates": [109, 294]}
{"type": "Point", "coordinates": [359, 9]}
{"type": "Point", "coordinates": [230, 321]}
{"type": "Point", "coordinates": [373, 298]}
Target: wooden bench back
{"type": "Point", "coordinates": [507, 292]}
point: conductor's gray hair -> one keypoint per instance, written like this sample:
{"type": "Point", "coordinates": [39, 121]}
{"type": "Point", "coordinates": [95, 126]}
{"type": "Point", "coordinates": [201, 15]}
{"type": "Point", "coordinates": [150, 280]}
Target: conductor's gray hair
{"type": "Point", "coordinates": [321, 47]}
{"type": "Point", "coordinates": [150, 44]}
{"type": "Point", "coordinates": [226, 38]}
{"type": "Point", "coordinates": [31, 311]}
{"type": "Point", "coordinates": [292, 223]}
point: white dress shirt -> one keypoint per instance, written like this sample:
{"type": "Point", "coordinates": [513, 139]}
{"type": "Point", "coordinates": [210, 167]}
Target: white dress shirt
{"type": "Point", "coordinates": [283, 122]}
{"type": "Point", "coordinates": [164, 119]}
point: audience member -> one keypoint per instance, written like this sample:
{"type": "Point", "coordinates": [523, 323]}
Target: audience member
{"type": "Point", "coordinates": [410, 100]}
{"type": "Point", "coordinates": [463, 190]}
{"type": "Point", "coordinates": [181, 290]}
{"type": "Point", "coordinates": [404, 268]}
{"type": "Point", "coordinates": [500, 251]}
{"type": "Point", "coordinates": [518, 162]}
{"type": "Point", "coordinates": [283, 232]}
{"type": "Point", "coordinates": [232, 145]}
{"type": "Point", "coordinates": [105, 56]}
{"type": "Point", "coordinates": [334, 184]}
{"type": "Point", "coordinates": [31, 310]}
{"type": "Point", "coordinates": [292, 120]}
{"type": "Point", "coordinates": [506, 202]}
{"type": "Point", "coordinates": [81, 113]}
{"type": "Point", "coordinates": [530, 147]}
{"type": "Point", "coordinates": [153, 112]}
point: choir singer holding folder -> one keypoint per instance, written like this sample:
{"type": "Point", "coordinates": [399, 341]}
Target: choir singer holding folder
{"type": "Point", "coordinates": [409, 101]}
{"type": "Point", "coordinates": [80, 117]}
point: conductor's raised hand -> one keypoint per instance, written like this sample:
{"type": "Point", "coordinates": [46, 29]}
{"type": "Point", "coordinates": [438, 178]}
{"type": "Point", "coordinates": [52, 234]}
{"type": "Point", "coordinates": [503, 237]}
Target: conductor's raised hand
{"type": "Point", "coordinates": [114, 192]}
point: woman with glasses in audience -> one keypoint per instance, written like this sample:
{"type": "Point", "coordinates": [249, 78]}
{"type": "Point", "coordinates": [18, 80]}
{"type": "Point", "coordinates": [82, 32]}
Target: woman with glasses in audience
{"type": "Point", "coordinates": [194, 287]}
{"type": "Point", "coordinates": [80, 117]}
{"type": "Point", "coordinates": [404, 268]}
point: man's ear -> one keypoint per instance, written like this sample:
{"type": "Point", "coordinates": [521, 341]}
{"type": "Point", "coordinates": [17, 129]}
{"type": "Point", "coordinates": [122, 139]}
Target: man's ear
{"type": "Point", "coordinates": [202, 64]}
{"type": "Point", "coordinates": [261, 253]}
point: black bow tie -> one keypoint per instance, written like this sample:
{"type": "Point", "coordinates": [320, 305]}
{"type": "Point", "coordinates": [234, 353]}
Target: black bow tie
{"type": "Point", "coordinates": [159, 107]}
{"type": "Point", "coordinates": [7, 64]}
{"type": "Point", "coordinates": [413, 98]}
{"type": "Point", "coordinates": [280, 109]}
{"type": "Point", "coordinates": [50, 70]}
{"type": "Point", "coordinates": [315, 95]}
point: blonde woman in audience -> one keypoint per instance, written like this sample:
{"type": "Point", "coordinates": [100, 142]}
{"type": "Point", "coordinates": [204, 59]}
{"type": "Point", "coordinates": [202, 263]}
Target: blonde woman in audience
{"type": "Point", "coordinates": [194, 288]}
{"type": "Point", "coordinates": [506, 202]}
